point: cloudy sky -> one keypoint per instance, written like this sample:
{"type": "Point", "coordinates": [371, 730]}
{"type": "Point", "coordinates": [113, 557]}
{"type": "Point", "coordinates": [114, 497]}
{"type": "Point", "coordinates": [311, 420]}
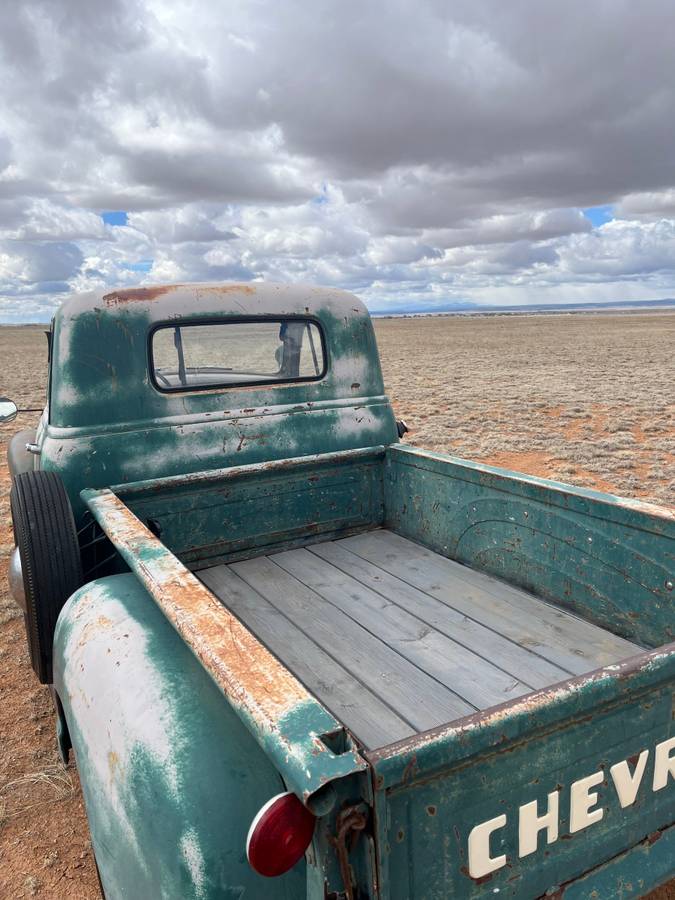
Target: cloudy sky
{"type": "Point", "coordinates": [421, 152]}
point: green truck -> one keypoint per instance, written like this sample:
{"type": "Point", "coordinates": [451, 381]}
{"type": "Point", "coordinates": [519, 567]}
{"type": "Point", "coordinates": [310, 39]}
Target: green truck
{"type": "Point", "coordinates": [298, 658]}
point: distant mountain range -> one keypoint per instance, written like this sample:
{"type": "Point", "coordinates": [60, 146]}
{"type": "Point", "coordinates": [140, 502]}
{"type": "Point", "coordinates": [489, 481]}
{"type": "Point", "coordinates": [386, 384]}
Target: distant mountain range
{"type": "Point", "coordinates": [466, 306]}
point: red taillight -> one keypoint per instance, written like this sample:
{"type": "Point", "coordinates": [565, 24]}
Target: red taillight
{"type": "Point", "coordinates": [279, 835]}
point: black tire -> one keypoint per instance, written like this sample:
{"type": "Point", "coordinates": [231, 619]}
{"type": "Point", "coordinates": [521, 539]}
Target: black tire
{"type": "Point", "coordinates": [50, 559]}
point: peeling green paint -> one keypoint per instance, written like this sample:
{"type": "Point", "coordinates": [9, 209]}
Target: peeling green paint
{"type": "Point", "coordinates": [109, 425]}
{"type": "Point", "coordinates": [608, 559]}
{"type": "Point", "coordinates": [169, 793]}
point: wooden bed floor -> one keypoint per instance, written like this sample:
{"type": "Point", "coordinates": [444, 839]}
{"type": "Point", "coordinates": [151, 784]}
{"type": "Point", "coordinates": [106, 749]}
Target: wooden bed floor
{"type": "Point", "coordinates": [395, 639]}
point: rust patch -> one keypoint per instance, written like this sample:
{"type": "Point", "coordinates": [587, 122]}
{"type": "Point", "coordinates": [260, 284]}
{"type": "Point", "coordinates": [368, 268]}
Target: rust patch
{"type": "Point", "coordinates": [241, 666]}
{"type": "Point", "coordinates": [154, 292]}
{"type": "Point", "coordinates": [102, 623]}
{"type": "Point", "coordinates": [139, 294]}
{"type": "Point", "coordinates": [528, 704]}
{"type": "Point", "coordinates": [410, 769]}
{"type": "Point", "coordinates": [113, 763]}
{"type": "Point", "coordinates": [227, 289]}
{"type": "Point", "coordinates": [482, 880]}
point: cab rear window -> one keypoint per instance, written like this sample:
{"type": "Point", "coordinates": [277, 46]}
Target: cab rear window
{"type": "Point", "coordinates": [231, 354]}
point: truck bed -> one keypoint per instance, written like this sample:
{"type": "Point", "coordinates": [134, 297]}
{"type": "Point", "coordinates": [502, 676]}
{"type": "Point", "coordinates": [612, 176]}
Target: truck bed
{"type": "Point", "coordinates": [395, 639]}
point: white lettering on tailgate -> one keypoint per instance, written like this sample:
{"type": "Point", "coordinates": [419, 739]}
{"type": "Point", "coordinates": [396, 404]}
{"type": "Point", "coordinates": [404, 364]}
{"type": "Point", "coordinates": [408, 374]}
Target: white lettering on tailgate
{"type": "Point", "coordinates": [664, 765]}
{"type": "Point", "coordinates": [480, 861]}
{"type": "Point", "coordinates": [530, 824]}
{"type": "Point", "coordinates": [583, 808]}
{"type": "Point", "coordinates": [627, 785]}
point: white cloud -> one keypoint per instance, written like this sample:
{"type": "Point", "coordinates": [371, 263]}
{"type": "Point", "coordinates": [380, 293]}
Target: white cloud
{"type": "Point", "coordinates": [406, 151]}
{"type": "Point", "coordinates": [649, 204]}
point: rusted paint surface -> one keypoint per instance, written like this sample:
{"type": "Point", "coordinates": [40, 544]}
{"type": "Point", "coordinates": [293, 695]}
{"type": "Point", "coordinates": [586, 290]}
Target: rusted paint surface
{"type": "Point", "coordinates": [628, 875]}
{"type": "Point", "coordinates": [139, 294]}
{"type": "Point", "coordinates": [154, 292]}
{"type": "Point", "coordinates": [171, 777]}
{"type": "Point", "coordinates": [227, 514]}
{"type": "Point", "coordinates": [252, 471]}
{"type": "Point", "coordinates": [238, 663]}
{"type": "Point", "coordinates": [108, 424]}
{"type": "Point", "coordinates": [610, 560]}
{"type": "Point", "coordinates": [485, 728]}
{"type": "Point", "coordinates": [288, 720]}
{"type": "Point", "coordinates": [490, 764]}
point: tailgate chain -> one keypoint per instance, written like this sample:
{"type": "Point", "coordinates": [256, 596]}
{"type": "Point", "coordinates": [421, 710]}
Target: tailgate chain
{"type": "Point", "coordinates": [351, 821]}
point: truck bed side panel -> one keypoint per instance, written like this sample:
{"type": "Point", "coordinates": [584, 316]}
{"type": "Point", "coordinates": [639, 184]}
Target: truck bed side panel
{"type": "Point", "coordinates": [610, 560]}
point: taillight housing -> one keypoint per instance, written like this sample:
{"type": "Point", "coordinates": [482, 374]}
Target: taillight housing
{"type": "Point", "coordinates": [279, 835]}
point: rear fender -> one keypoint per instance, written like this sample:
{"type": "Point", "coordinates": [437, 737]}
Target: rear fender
{"type": "Point", "coordinates": [171, 778]}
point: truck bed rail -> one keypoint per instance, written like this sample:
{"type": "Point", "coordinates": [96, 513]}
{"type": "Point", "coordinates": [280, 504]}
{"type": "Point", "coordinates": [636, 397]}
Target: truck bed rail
{"type": "Point", "coordinates": [288, 722]}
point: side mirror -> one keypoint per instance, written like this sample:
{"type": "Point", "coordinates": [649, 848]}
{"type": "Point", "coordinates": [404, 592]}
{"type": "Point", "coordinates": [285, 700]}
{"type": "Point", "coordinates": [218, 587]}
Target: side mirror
{"type": "Point", "coordinates": [8, 410]}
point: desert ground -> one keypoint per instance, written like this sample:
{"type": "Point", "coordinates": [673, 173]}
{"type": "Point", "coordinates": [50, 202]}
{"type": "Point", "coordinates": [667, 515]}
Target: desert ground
{"type": "Point", "coordinates": [587, 399]}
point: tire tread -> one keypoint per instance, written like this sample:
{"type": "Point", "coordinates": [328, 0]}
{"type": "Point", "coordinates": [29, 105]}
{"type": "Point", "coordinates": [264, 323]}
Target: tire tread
{"type": "Point", "coordinates": [50, 558]}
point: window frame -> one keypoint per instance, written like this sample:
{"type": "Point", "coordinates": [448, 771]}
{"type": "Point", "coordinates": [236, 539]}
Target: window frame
{"type": "Point", "coordinates": [235, 320]}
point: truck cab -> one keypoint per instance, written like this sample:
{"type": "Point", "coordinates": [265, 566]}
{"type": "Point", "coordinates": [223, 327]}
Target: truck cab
{"type": "Point", "coordinates": [159, 381]}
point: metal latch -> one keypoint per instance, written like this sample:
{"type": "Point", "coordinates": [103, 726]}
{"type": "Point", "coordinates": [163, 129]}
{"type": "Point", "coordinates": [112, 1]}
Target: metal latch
{"type": "Point", "coordinates": [33, 448]}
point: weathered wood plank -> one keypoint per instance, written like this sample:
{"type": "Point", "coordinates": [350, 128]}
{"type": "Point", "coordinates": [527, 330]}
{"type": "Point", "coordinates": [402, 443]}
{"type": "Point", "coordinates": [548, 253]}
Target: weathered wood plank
{"type": "Point", "coordinates": [395, 639]}
{"type": "Point", "coordinates": [364, 714]}
{"type": "Point", "coordinates": [471, 676]}
{"type": "Point", "coordinates": [416, 696]}
{"type": "Point", "coordinates": [562, 638]}
{"type": "Point", "coordinates": [519, 661]}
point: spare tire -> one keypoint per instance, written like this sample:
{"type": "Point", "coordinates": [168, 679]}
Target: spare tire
{"type": "Point", "coordinates": [50, 558]}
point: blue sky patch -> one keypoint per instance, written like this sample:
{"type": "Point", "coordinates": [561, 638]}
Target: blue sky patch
{"type": "Point", "coordinates": [321, 198]}
{"type": "Point", "coordinates": [599, 215]}
{"type": "Point", "coordinates": [143, 265]}
{"type": "Point", "coordinates": [114, 217]}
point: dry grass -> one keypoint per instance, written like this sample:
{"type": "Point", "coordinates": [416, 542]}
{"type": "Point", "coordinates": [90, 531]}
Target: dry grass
{"type": "Point", "coordinates": [587, 399]}
{"type": "Point", "coordinates": [33, 790]}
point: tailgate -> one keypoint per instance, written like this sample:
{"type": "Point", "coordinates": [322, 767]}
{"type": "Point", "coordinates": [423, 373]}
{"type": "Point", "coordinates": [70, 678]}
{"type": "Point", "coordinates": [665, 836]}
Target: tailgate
{"type": "Point", "coordinates": [526, 797]}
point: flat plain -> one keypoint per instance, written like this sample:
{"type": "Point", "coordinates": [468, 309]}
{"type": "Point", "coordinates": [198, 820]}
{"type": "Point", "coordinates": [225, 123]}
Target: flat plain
{"type": "Point", "coordinates": [583, 398]}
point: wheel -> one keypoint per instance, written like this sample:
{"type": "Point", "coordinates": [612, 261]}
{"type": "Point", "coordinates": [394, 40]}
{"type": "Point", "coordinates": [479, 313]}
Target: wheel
{"type": "Point", "coordinates": [50, 559]}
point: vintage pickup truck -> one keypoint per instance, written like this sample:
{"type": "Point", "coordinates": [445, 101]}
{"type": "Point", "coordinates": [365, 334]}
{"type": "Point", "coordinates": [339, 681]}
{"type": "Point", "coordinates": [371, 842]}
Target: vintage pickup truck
{"type": "Point", "coordinates": [296, 657]}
